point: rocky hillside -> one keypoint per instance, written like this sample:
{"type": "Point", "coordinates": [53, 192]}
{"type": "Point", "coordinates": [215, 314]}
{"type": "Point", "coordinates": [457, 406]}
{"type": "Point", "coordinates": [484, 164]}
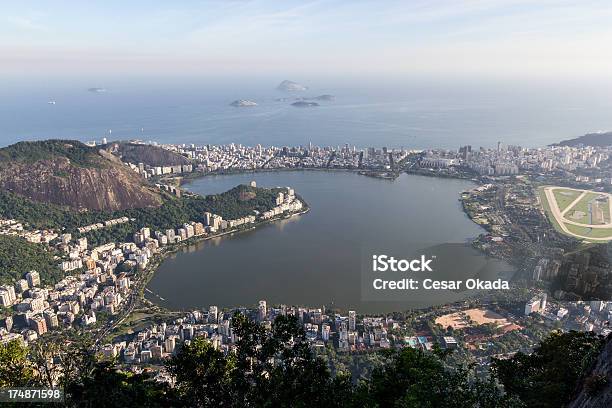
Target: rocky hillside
{"type": "Point", "coordinates": [148, 154]}
{"type": "Point", "coordinates": [596, 389]}
{"type": "Point", "coordinates": [69, 173]}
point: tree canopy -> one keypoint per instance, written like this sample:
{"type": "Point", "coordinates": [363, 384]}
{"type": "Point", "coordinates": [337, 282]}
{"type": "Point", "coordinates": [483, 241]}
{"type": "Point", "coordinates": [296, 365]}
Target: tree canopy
{"type": "Point", "coordinates": [548, 377]}
{"type": "Point", "coordinates": [277, 368]}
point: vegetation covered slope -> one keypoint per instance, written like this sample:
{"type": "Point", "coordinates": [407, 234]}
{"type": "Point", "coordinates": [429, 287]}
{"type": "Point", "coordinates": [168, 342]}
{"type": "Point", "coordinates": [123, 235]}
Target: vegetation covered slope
{"type": "Point", "coordinates": [238, 202]}
{"type": "Point", "coordinates": [69, 173]}
{"type": "Point", "coordinates": [595, 389]}
{"type": "Point", "coordinates": [147, 154]}
{"type": "Point", "coordinates": [549, 376]}
{"type": "Point", "coordinates": [18, 256]}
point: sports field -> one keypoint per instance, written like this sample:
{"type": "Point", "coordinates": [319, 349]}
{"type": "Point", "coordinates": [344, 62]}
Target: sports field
{"type": "Point", "coordinates": [581, 211]}
{"type": "Point", "coordinates": [565, 197]}
{"type": "Point", "coordinates": [471, 317]}
{"type": "Point", "coordinates": [583, 214]}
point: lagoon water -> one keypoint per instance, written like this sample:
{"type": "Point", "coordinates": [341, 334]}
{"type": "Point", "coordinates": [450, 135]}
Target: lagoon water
{"type": "Point", "coordinates": [319, 258]}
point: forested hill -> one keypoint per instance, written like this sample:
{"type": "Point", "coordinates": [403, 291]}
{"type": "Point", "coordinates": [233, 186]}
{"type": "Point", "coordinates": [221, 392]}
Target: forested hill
{"type": "Point", "coordinates": [590, 139]}
{"type": "Point", "coordinates": [238, 202]}
{"type": "Point", "coordinates": [147, 154]}
{"type": "Point", "coordinates": [70, 173]}
{"type": "Point", "coordinates": [78, 153]}
{"type": "Point", "coordinates": [18, 256]}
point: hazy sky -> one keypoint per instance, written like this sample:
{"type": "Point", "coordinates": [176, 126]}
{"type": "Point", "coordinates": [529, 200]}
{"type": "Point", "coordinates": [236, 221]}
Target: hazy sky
{"type": "Point", "coordinates": [505, 38]}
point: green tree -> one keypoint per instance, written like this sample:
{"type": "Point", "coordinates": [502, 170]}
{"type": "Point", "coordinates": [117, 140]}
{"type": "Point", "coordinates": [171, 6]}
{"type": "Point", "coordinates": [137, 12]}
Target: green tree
{"type": "Point", "coordinates": [18, 256]}
{"type": "Point", "coordinates": [548, 376]}
{"type": "Point", "coordinates": [268, 369]}
{"type": "Point", "coordinates": [15, 368]}
{"type": "Point", "coordinates": [416, 378]}
{"type": "Point", "coordinates": [105, 386]}
{"type": "Point", "coordinates": [203, 375]}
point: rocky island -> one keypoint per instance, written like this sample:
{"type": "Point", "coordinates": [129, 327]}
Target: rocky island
{"type": "Point", "coordinates": [304, 104]}
{"type": "Point", "coordinates": [290, 86]}
{"type": "Point", "coordinates": [325, 98]}
{"type": "Point", "coordinates": [243, 103]}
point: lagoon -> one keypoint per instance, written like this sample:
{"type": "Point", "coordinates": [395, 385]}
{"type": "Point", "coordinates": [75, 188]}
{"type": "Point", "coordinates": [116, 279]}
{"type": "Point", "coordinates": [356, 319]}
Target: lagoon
{"type": "Point", "coordinates": [321, 258]}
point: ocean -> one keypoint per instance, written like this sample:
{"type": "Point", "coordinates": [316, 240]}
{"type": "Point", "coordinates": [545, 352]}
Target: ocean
{"type": "Point", "coordinates": [411, 113]}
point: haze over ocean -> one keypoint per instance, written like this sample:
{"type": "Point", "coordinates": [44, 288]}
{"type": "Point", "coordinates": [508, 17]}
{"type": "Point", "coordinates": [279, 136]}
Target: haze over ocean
{"type": "Point", "coordinates": [408, 113]}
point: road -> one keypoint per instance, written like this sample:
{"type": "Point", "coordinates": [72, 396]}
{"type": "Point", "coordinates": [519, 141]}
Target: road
{"type": "Point", "coordinates": [133, 298]}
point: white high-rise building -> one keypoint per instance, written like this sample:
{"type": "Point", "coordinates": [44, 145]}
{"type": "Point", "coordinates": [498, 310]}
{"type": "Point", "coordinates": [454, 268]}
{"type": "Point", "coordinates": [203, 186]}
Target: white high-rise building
{"type": "Point", "coordinates": [170, 344]}
{"type": "Point", "coordinates": [325, 329]}
{"type": "Point", "coordinates": [5, 298]}
{"type": "Point", "coordinates": [212, 314]}
{"type": "Point", "coordinates": [532, 306]}
{"type": "Point", "coordinates": [33, 278]}
{"type": "Point", "coordinates": [543, 302]}
{"type": "Point", "coordinates": [82, 243]}
{"type": "Point", "coordinates": [263, 310]}
{"type": "Point", "coordinates": [352, 320]}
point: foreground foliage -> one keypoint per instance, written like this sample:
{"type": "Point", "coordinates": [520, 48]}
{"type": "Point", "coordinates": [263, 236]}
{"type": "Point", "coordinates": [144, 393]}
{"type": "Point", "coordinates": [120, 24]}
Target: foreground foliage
{"type": "Point", "coordinates": [278, 369]}
{"type": "Point", "coordinates": [548, 376]}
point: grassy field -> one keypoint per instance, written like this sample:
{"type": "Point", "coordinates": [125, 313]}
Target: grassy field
{"type": "Point", "coordinates": [578, 230]}
{"type": "Point", "coordinates": [582, 205]}
{"type": "Point", "coordinates": [590, 232]}
{"type": "Point", "coordinates": [565, 197]}
{"type": "Point", "coordinates": [575, 229]}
